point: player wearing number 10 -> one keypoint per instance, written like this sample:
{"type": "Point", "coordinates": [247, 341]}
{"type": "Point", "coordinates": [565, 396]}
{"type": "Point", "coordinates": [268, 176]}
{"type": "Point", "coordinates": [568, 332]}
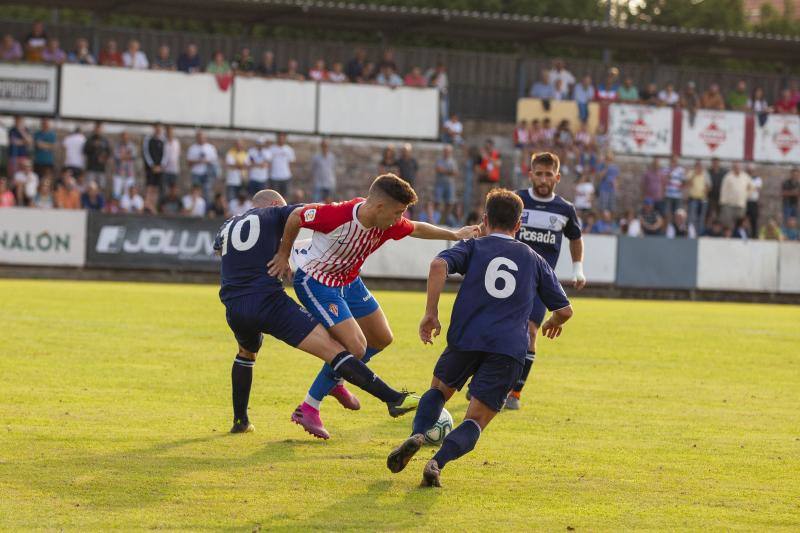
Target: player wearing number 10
{"type": "Point", "coordinates": [488, 334]}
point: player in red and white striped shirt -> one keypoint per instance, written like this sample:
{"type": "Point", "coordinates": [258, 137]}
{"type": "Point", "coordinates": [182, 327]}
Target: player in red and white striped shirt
{"type": "Point", "coordinates": [327, 280]}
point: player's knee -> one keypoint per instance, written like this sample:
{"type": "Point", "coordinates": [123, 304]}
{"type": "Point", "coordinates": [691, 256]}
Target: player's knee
{"type": "Point", "coordinates": [247, 354]}
{"type": "Point", "coordinates": [357, 348]}
{"type": "Point", "coordinates": [383, 340]}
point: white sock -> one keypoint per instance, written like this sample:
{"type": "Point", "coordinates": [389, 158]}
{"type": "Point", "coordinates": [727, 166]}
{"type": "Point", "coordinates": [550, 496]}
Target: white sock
{"type": "Point", "coordinates": [313, 402]}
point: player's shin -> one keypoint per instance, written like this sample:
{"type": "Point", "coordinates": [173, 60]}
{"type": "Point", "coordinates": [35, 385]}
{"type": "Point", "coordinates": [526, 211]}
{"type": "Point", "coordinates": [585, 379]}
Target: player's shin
{"type": "Point", "coordinates": [428, 411]}
{"type": "Point", "coordinates": [356, 372]}
{"type": "Point", "coordinates": [241, 382]}
{"type": "Point", "coordinates": [529, 359]}
{"type": "Point", "coordinates": [458, 442]}
{"type": "Point", "coordinates": [323, 383]}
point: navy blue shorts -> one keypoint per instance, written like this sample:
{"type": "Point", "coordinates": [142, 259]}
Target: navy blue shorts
{"type": "Point", "coordinates": [539, 310]}
{"type": "Point", "coordinates": [275, 314]}
{"type": "Point", "coordinates": [493, 375]}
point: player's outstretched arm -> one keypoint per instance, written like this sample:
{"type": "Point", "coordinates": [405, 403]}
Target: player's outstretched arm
{"type": "Point", "coordinates": [576, 251]}
{"type": "Point", "coordinates": [423, 230]}
{"type": "Point", "coordinates": [430, 326]}
{"type": "Point", "coordinates": [279, 265]}
{"type": "Point", "coordinates": [553, 326]}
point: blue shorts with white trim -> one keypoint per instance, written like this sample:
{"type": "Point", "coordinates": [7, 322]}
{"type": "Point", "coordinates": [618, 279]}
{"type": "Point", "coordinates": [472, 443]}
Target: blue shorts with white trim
{"type": "Point", "coordinates": [332, 305]}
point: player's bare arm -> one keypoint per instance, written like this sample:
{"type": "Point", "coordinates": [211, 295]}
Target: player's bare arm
{"type": "Point", "coordinates": [423, 230]}
{"type": "Point", "coordinates": [279, 265]}
{"type": "Point", "coordinates": [430, 326]}
{"type": "Point", "coordinates": [576, 252]}
{"type": "Point", "coordinates": [553, 326]}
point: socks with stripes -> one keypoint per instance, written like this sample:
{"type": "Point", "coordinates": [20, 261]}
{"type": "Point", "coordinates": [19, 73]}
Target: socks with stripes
{"type": "Point", "coordinates": [428, 411]}
{"type": "Point", "coordinates": [327, 379]}
{"type": "Point", "coordinates": [241, 381]}
{"type": "Point", "coordinates": [356, 372]}
{"type": "Point", "coordinates": [458, 442]}
{"type": "Point", "coordinates": [529, 359]}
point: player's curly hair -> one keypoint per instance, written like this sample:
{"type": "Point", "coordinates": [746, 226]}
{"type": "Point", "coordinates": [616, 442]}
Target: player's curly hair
{"type": "Point", "coordinates": [394, 187]}
{"type": "Point", "coordinates": [547, 159]}
{"type": "Point", "coordinates": [503, 209]}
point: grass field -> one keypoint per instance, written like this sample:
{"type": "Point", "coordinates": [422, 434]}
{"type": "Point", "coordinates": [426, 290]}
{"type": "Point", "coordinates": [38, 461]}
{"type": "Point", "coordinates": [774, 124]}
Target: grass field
{"type": "Point", "coordinates": [114, 408]}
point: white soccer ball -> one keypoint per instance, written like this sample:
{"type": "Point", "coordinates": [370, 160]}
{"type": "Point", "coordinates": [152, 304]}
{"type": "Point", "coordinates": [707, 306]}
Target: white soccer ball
{"type": "Point", "coordinates": [440, 429]}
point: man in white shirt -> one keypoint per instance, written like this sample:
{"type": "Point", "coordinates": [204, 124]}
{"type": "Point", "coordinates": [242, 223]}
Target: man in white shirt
{"type": "Point", "coordinates": [133, 57]}
{"type": "Point", "coordinates": [241, 204]}
{"type": "Point", "coordinates": [194, 205]}
{"type": "Point", "coordinates": [736, 186]}
{"type": "Point", "coordinates": [281, 157]}
{"type": "Point", "coordinates": [453, 130]}
{"type": "Point", "coordinates": [259, 166]}
{"type": "Point", "coordinates": [73, 152]}
{"type": "Point", "coordinates": [172, 167]}
{"type": "Point", "coordinates": [131, 201]}
{"type": "Point", "coordinates": [203, 158]}
{"type": "Point", "coordinates": [560, 72]}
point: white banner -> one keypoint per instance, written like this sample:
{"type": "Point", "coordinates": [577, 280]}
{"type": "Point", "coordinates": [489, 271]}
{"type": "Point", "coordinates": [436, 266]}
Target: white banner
{"type": "Point", "coordinates": [109, 93]}
{"type": "Point", "coordinates": [600, 259]}
{"type": "Point", "coordinates": [778, 140]}
{"type": "Point", "coordinates": [638, 129]}
{"type": "Point", "coordinates": [42, 237]}
{"type": "Point", "coordinates": [737, 265]}
{"type": "Point", "coordinates": [28, 89]}
{"type": "Point", "coordinates": [282, 105]}
{"type": "Point", "coordinates": [713, 134]}
{"type": "Point", "coordinates": [375, 111]}
{"type": "Point", "coordinates": [789, 267]}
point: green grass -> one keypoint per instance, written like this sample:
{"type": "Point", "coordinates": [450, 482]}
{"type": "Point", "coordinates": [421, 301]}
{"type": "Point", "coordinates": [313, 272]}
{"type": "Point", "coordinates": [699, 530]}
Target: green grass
{"type": "Point", "coordinates": [114, 408]}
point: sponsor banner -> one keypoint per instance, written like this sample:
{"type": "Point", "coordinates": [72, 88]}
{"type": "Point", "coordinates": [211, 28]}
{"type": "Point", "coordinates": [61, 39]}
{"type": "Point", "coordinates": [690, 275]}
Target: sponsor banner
{"type": "Point", "coordinates": [638, 129]}
{"type": "Point", "coordinates": [778, 140]}
{"type": "Point", "coordinates": [713, 134]}
{"type": "Point", "coordinates": [28, 89]}
{"type": "Point", "coordinates": [131, 241]}
{"type": "Point", "coordinates": [42, 237]}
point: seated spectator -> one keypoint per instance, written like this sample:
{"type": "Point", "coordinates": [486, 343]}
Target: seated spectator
{"type": "Point", "coordinates": [81, 55]}
{"type": "Point", "coordinates": [453, 130]}
{"type": "Point", "coordinates": [133, 57]}
{"type": "Point", "coordinates": [110, 56]}
{"type": "Point", "coordinates": [131, 201]}
{"type": "Point", "coordinates": [563, 137]}
{"type": "Point", "coordinates": [712, 98]}
{"type": "Point", "coordinates": [388, 162]}
{"type": "Point", "coordinates": [44, 197]}
{"type": "Point", "coordinates": [388, 77]}
{"type": "Point", "coordinates": [293, 71]}
{"type": "Point", "coordinates": [583, 139]}
{"type": "Point", "coordinates": [93, 199]}
{"type": "Point", "coordinates": [35, 43]}
{"type": "Point", "coordinates": [240, 204]}
{"type": "Point", "coordinates": [189, 61]}
{"type": "Point", "coordinates": [218, 65]}
{"type": "Point", "coordinates": [737, 98]}
{"type": "Point", "coordinates": [163, 59]}
{"type": "Point", "coordinates": [758, 104]}
{"type": "Point", "coordinates": [355, 67]}
{"type": "Point", "coordinates": [170, 203]}
{"type": "Point", "coordinates": [6, 196]}
{"type": "Point", "coordinates": [588, 222]}
{"type": "Point", "coordinates": [548, 134]}
{"type": "Point", "coordinates": [679, 226]}
{"type": "Point", "coordinates": [194, 205]}
{"type": "Point", "coordinates": [790, 230]}
{"type": "Point", "coordinates": [629, 224]}
{"type": "Point", "coordinates": [337, 75]}
{"type": "Point", "coordinates": [219, 208]}
{"type": "Point", "coordinates": [651, 221]}
{"type": "Point", "coordinates": [67, 194]}
{"type": "Point", "coordinates": [786, 103]}
{"type": "Point", "coordinates": [387, 60]}
{"type": "Point", "coordinates": [10, 49]}
{"type": "Point", "coordinates": [318, 72]}
{"type": "Point", "coordinates": [244, 64]}
{"type": "Point", "coordinates": [715, 229]}
{"type": "Point", "coordinates": [649, 95]}
{"type": "Point", "coordinates": [608, 91]}
{"type": "Point", "coordinates": [583, 94]}
{"type": "Point", "coordinates": [743, 229]}
{"type": "Point", "coordinates": [430, 214]}
{"type": "Point", "coordinates": [415, 78]}
{"type": "Point", "coordinates": [542, 89]}
{"type": "Point", "coordinates": [26, 183]}
{"type": "Point", "coordinates": [522, 134]}
{"type": "Point", "coordinates": [771, 231]}
{"type": "Point", "coordinates": [368, 74]}
{"type": "Point", "coordinates": [53, 53]}
{"type": "Point", "coordinates": [668, 96]}
{"type": "Point", "coordinates": [559, 91]}
{"type": "Point", "coordinates": [628, 93]}
{"type": "Point", "coordinates": [606, 225]}
{"type": "Point", "coordinates": [267, 67]}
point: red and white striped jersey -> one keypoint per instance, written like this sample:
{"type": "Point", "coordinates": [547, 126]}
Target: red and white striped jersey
{"type": "Point", "coordinates": [340, 243]}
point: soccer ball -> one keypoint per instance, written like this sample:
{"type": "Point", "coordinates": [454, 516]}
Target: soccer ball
{"type": "Point", "coordinates": [440, 429]}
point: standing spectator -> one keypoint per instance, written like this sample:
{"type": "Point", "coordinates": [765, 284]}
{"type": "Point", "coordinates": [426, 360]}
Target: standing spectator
{"type": "Point", "coordinates": [716, 173]}
{"type": "Point", "coordinates": [752, 210]}
{"type": "Point", "coordinates": [6, 196]}
{"type": "Point", "coordinates": [323, 172]}
{"type": "Point", "coordinates": [649, 95]}
{"type": "Point", "coordinates": [282, 158]}
{"type": "Point", "coordinates": [698, 184]}
{"type": "Point", "coordinates": [267, 67]}
{"type": "Point", "coordinates": [125, 154]}
{"type": "Point", "coordinates": [440, 82]}
{"type": "Point", "coordinates": [67, 195]}
{"type": "Point", "coordinates": [712, 98]}
{"type": "Point", "coordinates": [758, 104]}
{"type": "Point", "coordinates": [218, 66]}
{"type": "Point", "coordinates": [628, 93]}
{"type": "Point", "coordinates": [93, 199]}
{"type": "Point", "coordinates": [650, 220]}
{"type": "Point", "coordinates": [607, 91]}
{"type": "Point", "coordinates": [786, 103]}
{"type": "Point", "coordinates": [172, 161]}
{"type": "Point", "coordinates": [170, 203]}
{"type": "Point", "coordinates": [355, 67]}
{"type": "Point", "coordinates": [318, 72]}
{"type": "Point", "coordinates": [737, 98]}
{"type": "Point", "coordinates": [680, 227]}
{"type": "Point", "coordinates": [453, 131]}
{"type": "Point", "coordinates": [790, 194]}
{"type": "Point", "coordinates": [189, 61]}
{"type": "Point", "coordinates": [26, 183]}
{"type": "Point", "coordinates": [259, 166]}
{"type": "Point", "coordinates": [131, 201]}
{"type": "Point", "coordinates": [542, 89]}
{"type": "Point", "coordinates": [44, 146]}
{"type": "Point", "coordinates": [522, 135]}
{"type": "Point", "coordinates": [407, 165]}
{"type": "Point", "coordinates": [560, 72]}
{"type": "Point", "coordinates": [337, 75]}
{"type": "Point", "coordinates": [236, 165]}
{"type": "Point", "coordinates": [194, 205]}
{"type": "Point", "coordinates": [10, 50]}
{"type": "Point", "coordinates": [583, 94]}
{"type": "Point", "coordinates": [388, 162]}
{"type": "Point", "coordinates": [53, 53]}
{"type": "Point", "coordinates": [97, 150]}
{"type": "Point", "coordinates": [154, 154]}
{"type": "Point", "coordinates": [163, 59]}
{"type": "Point", "coordinates": [653, 185]}
{"type": "Point", "coordinates": [736, 186]}
{"type": "Point", "coordinates": [444, 191]}
{"type": "Point", "coordinates": [607, 172]}
{"type": "Point", "coordinates": [489, 170]}
{"type": "Point", "coordinates": [218, 209]}
{"type": "Point", "coordinates": [389, 77]}
{"type": "Point", "coordinates": [676, 180]}
{"type": "Point", "coordinates": [690, 101]}
{"type": "Point", "coordinates": [19, 144]}
{"type": "Point", "coordinates": [44, 197]}
{"type": "Point", "coordinates": [110, 56]}
{"type": "Point", "coordinates": [243, 63]}
{"type": "Point", "coordinates": [133, 57]}
{"type": "Point", "coordinates": [789, 230]}
{"type": "Point", "coordinates": [74, 159]}
{"type": "Point", "coordinates": [415, 78]}
{"type": "Point", "coordinates": [81, 55]}
{"type": "Point", "coordinates": [35, 43]}
{"type": "Point", "coordinates": [240, 205]}
{"type": "Point", "coordinates": [203, 159]}
{"type": "Point", "coordinates": [584, 194]}
{"type": "Point", "coordinates": [293, 71]}
{"type": "Point", "coordinates": [669, 96]}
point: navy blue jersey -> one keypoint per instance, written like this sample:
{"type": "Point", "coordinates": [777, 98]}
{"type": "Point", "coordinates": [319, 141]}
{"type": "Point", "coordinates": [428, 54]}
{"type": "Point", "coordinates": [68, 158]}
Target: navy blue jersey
{"type": "Point", "coordinates": [247, 243]}
{"type": "Point", "coordinates": [501, 279]}
{"type": "Point", "coordinates": [544, 221]}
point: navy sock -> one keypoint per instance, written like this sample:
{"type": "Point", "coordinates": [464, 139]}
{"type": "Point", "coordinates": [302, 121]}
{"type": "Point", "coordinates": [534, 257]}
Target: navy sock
{"type": "Point", "coordinates": [428, 411]}
{"type": "Point", "coordinates": [356, 372]}
{"type": "Point", "coordinates": [241, 381]}
{"type": "Point", "coordinates": [458, 442]}
{"type": "Point", "coordinates": [369, 354]}
{"type": "Point", "coordinates": [529, 359]}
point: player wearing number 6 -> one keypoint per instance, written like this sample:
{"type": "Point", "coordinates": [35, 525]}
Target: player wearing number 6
{"type": "Point", "coordinates": [488, 334]}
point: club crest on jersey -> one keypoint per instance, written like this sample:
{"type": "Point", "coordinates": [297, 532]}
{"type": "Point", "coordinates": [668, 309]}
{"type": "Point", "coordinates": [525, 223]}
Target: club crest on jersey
{"type": "Point", "coordinates": [310, 215]}
{"type": "Point", "coordinates": [333, 308]}
{"type": "Point", "coordinates": [553, 220]}
{"type": "Point", "coordinates": [525, 216]}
